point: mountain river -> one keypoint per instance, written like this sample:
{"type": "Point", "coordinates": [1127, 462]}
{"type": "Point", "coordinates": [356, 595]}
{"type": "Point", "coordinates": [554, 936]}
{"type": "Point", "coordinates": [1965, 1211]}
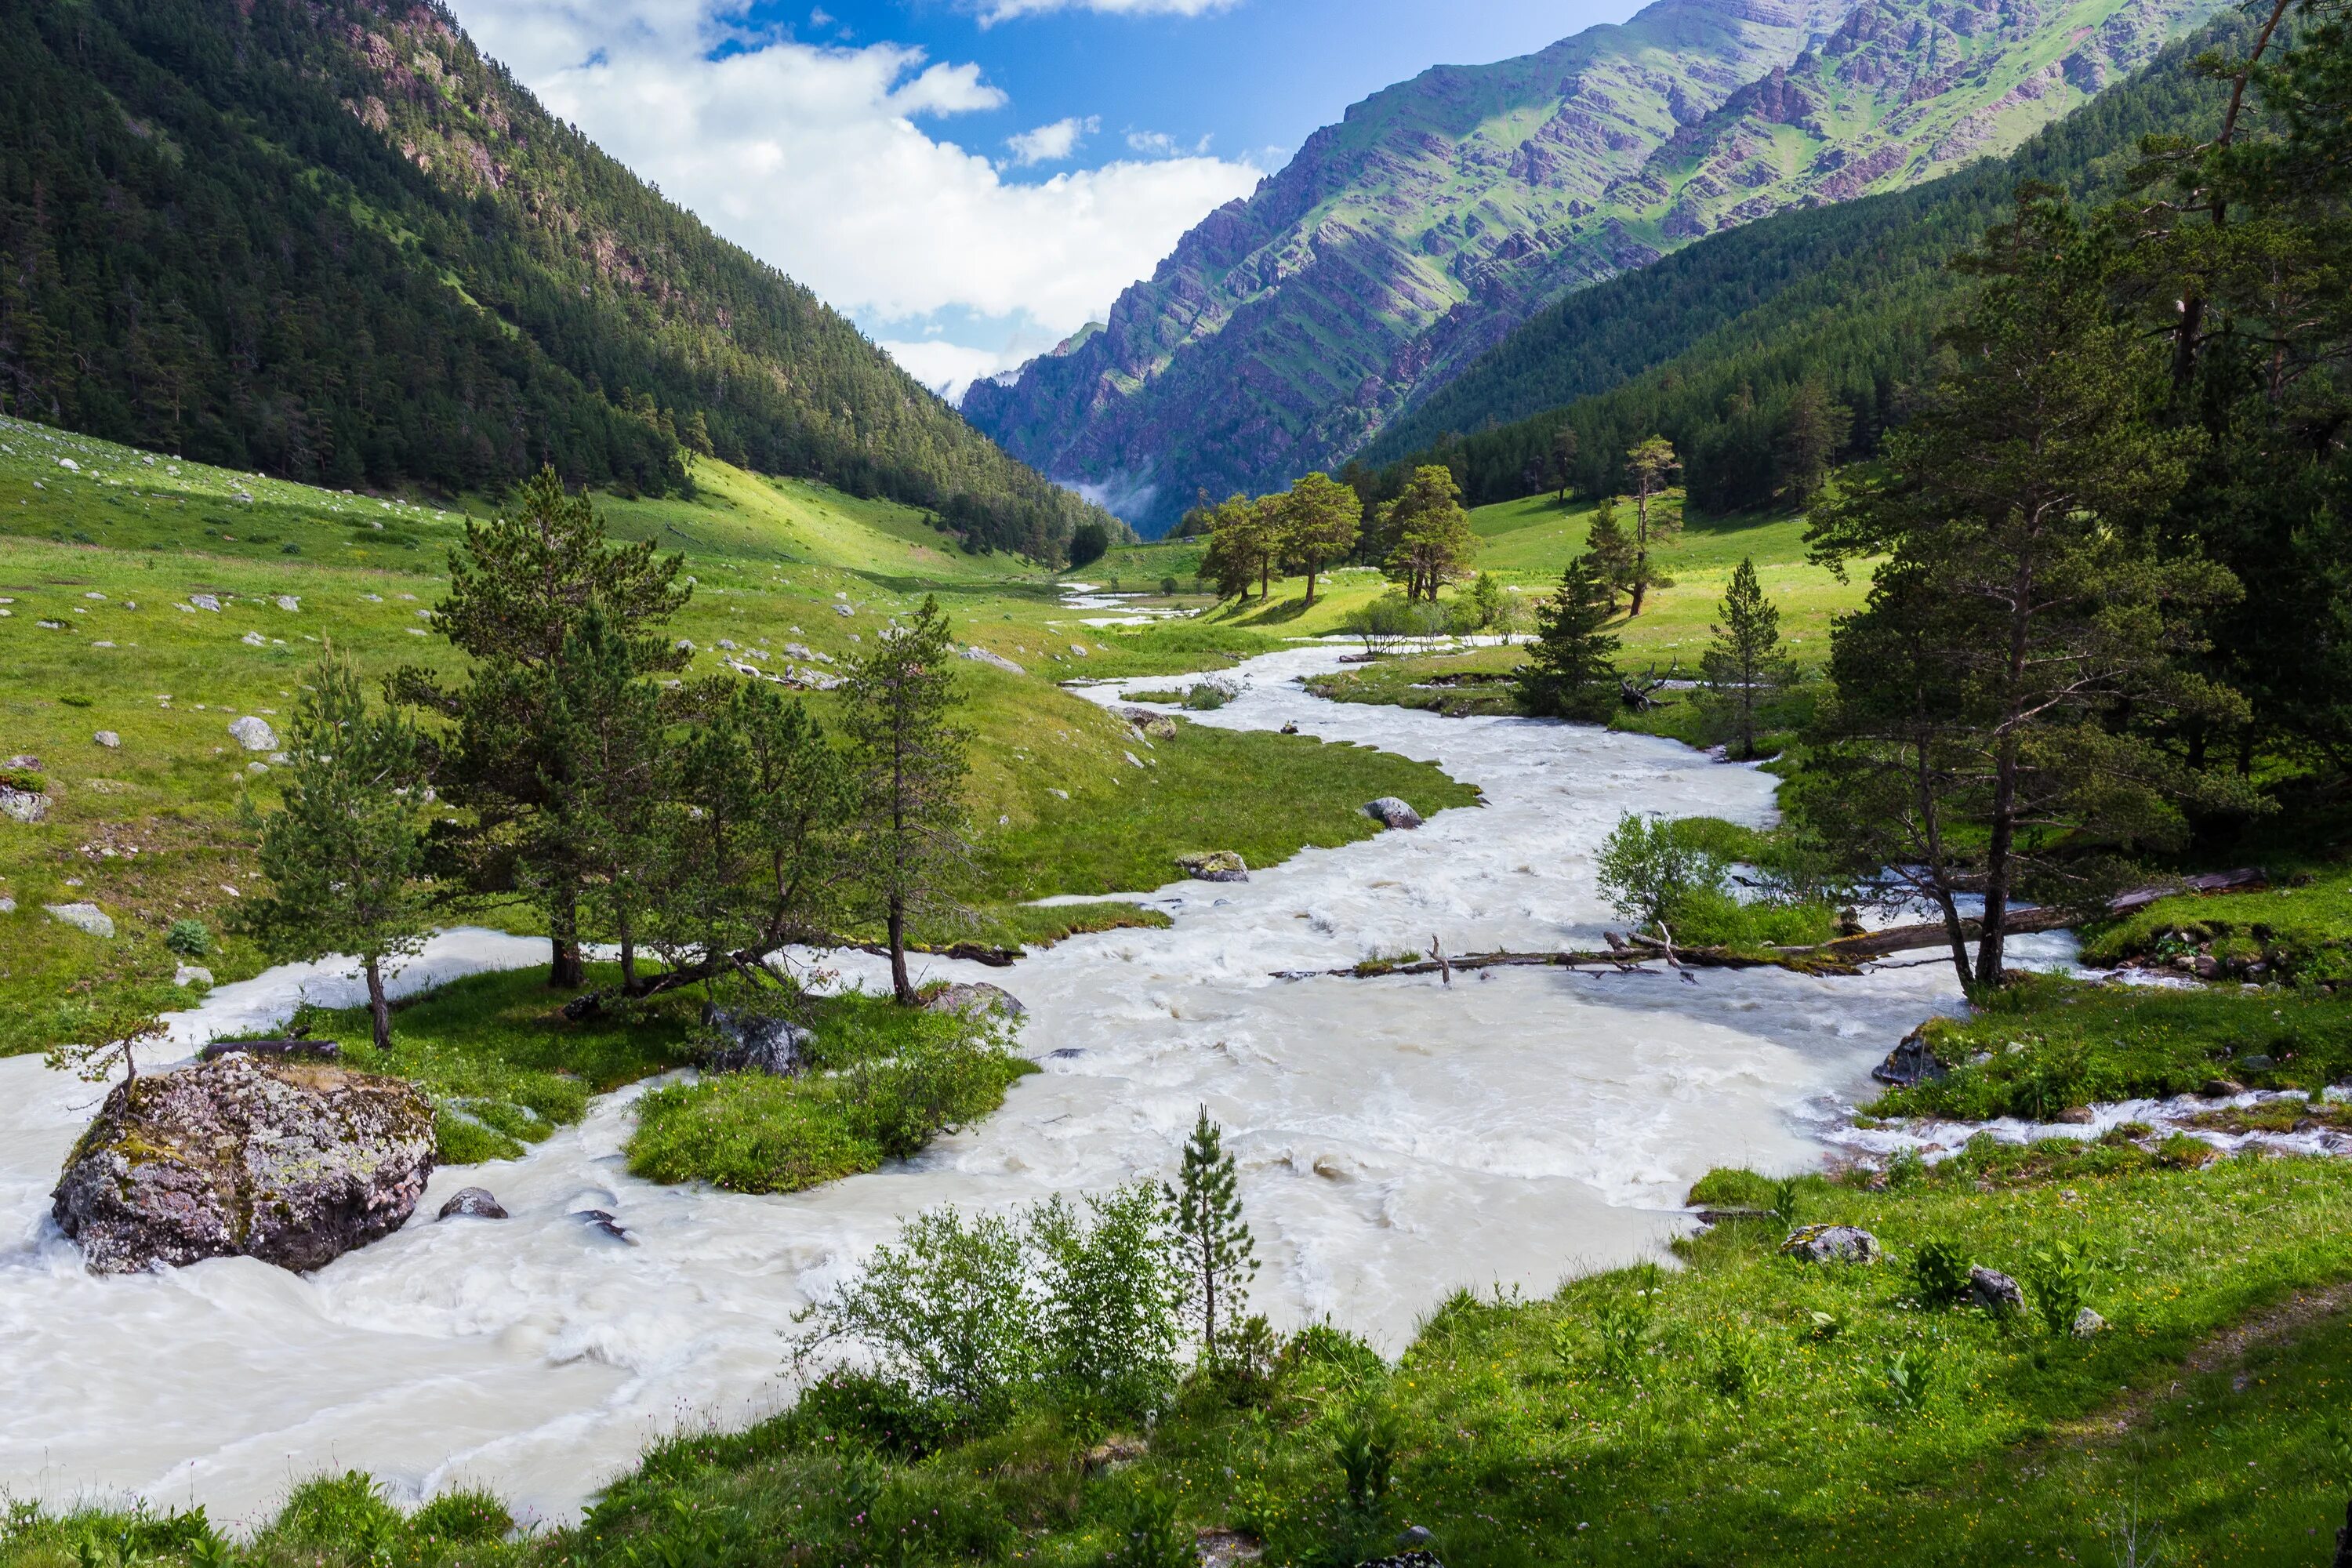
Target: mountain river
{"type": "Point", "coordinates": [1398, 1138]}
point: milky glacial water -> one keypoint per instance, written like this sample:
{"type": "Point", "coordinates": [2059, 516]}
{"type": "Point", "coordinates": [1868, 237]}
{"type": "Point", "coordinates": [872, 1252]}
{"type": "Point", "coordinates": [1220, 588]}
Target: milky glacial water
{"type": "Point", "coordinates": [1398, 1138]}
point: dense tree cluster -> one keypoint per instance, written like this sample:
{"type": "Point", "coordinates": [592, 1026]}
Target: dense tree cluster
{"type": "Point", "coordinates": [331, 242]}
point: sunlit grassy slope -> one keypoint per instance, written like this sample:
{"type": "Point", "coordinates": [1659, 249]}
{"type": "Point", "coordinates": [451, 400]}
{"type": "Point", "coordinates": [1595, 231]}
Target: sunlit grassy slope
{"type": "Point", "coordinates": [112, 561]}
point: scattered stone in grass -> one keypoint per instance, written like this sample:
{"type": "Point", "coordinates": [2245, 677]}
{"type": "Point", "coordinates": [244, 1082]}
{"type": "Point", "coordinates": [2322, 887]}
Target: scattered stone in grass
{"type": "Point", "coordinates": [973, 651]}
{"type": "Point", "coordinates": [2256, 1063]}
{"type": "Point", "coordinates": [1832, 1244]}
{"type": "Point", "coordinates": [23, 805]}
{"type": "Point", "coordinates": [1391, 811]}
{"type": "Point", "coordinates": [1114, 1453]}
{"type": "Point", "coordinates": [473, 1203]}
{"type": "Point", "coordinates": [109, 739]}
{"type": "Point", "coordinates": [254, 734]}
{"type": "Point", "coordinates": [87, 917]}
{"type": "Point", "coordinates": [193, 975]}
{"type": "Point", "coordinates": [1994, 1291]}
{"type": "Point", "coordinates": [2088, 1325]}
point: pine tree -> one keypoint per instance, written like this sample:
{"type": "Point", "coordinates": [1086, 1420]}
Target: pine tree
{"type": "Point", "coordinates": [909, 759]}
{"type": "Point", "coordinates": [1570, 671]}
{"type": "Point", "coordinates": [117, 1036]}
{"type": "Point", "coordinates": [1744, 663]}
{"type": "Point", "coordinates": [1812, 427]}
{"type": "Point", "coordinates": [603, 718]}
{"type": "Point", "coordinates": [1649, 465]}
{"type": "Point", "coordinates": [517, 591]}
{"type": "Point", "coordinates": [1610, 549]}
{"type": "Point", "coordinates": [1219, 1254]}
{"type": "Point", "coordinates": [1563, 459]}
{"type": "Point", "coordinates": [1430, 529]}
{"type": "Point", "coordinates": [1321, 521]}
{"type": "Point", "coordinates": [344, 853]}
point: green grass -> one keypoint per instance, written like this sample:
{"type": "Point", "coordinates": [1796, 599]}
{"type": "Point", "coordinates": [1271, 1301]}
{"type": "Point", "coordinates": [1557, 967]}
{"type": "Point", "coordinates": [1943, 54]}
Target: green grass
{"type": "Point", "coordinates": [503, 1066]}
{"type": "Point", "coordinates": [2051, 1044]}
{"type": "Point", "coordinates": [1263, 795]}
{"type": "Point", "coordinates": [883, 1081]}
{"type": "Point", "coordinates": [1737, 1409]}
{"type": "Point", "coordinates": [2300, 934]}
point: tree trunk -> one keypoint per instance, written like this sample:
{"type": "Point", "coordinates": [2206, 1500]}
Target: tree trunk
{"type": "Point", "coordinates": [1312, 567]}
{"type": "Point", "coordinates": [629, 959]}
{"type": "Point", "coordinates": [564, 970]}
{"type": "Point", "coordinates": [379, 1009]}
{"type": "Point", "coordinates": [903, 987]}
{"type": "Point", "coordinates": [1641, 582]}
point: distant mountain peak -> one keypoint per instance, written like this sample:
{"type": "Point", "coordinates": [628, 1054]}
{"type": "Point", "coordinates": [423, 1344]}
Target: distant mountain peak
{"type": "Point", "coordinates": [1287, 331]}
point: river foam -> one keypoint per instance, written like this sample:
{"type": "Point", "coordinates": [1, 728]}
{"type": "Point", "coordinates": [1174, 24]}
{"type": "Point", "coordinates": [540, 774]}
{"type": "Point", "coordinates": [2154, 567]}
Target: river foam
{"type": "Point", "coordinates": [1398, 1138]}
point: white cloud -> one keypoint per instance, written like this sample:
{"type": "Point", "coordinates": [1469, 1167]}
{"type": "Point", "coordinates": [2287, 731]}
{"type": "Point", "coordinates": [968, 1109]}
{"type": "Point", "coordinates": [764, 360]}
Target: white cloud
{"type": "Point", "coordinates": [1160, 144]}
{"type": "Point", "coordinates": [1050, 143]}
{"type": "Point", "coordinates": [811, 157]}
{"type": "Point", "coordinates": [950, 368]}
{"type": "Point", "coordinates": [994, 11]}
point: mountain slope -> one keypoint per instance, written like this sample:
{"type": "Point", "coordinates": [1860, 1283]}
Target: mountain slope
{"type": "Point", "coordinates": [1710, 345]}
{"type": "Point", "coordinates": [1289, 331]}
{"type": "Point", "coordinates": [331, 241]}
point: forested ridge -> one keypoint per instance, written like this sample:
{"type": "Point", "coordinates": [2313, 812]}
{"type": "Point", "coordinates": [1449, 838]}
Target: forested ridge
{"type": "Point", "coordinates": [1714, 345]}
{"type": "Point", "coordinates": [334, 242]}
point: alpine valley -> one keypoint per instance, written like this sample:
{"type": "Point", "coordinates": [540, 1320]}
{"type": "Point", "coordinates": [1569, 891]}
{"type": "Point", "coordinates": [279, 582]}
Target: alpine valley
{"type": "Point", "coordinates": [1286, 332]}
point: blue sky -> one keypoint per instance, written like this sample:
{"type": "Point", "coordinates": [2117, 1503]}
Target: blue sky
{"type": "Point", "coordinates": [972, 180]}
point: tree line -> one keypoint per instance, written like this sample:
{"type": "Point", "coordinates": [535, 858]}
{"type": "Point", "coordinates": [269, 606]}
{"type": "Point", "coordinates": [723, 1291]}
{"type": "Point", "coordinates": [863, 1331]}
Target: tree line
{"type": "Point", "coordinates": [701, 823]}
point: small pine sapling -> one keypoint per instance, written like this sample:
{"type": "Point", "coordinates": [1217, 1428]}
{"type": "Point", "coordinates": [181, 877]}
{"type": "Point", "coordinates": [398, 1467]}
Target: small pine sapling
{"type": "Point", "coordinates": [1218, 1256]}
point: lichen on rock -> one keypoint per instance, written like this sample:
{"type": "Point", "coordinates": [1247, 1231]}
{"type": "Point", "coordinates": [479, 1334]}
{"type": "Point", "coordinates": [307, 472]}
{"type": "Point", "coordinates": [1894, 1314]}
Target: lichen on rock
{"type": "Point", "coordinates": [291, 1164]}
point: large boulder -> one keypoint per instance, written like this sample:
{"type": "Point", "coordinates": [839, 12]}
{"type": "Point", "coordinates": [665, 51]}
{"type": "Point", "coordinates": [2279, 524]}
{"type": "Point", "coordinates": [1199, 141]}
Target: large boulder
{"type": "Point", "coordinates": [1391, 811]}
{"type": "Point", "coordinates": [23, 805]}
{"type": "Point", "coordinates": [1994, 1291]}
{"type": "Point", "coordinates": [254, 734]}
{"type": "Point", "coordinates": [753, 1042]}
{"type": "Point", "coordinates": [83, 917]}
{"type": "Point", "coordinates": [293, 1164]}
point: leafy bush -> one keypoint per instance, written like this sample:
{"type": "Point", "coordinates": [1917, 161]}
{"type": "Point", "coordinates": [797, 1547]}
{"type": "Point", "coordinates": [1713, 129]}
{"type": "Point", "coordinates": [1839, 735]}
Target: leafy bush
{"type": "Point", "coordinates": [465, 1517]}
{"type": "Point", "coordinates": [1907, 1380]}
{"type": "Point", "coordinates": [1650, 872]}
{"type": "Point", "coordinates": [1168, 586]}
{"type": "Point", "coordinates": [2058, 1277]}
{"type": "Point", "coordinates": [986, 1313]}
{"type": "Point", "coordinates": [190, 939]}
{"type": "Point", "coordinates": [873, 1412]}
{"type": "Point", "coordinates": [1207, 697]}
{"type": "Point", "coordinates": [1150, 1535]}
{"type": "Point", "coordinates": [1365, 1446]}
{"type": "Point", "coordinates": [334, 1511]}
{"type": "Point", "coordinates": [1939, 1273]}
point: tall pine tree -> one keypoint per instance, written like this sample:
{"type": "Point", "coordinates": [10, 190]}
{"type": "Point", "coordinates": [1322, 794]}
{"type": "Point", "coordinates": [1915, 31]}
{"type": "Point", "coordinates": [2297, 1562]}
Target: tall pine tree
{"type": "Point", "coordinates": [1218, 1256]}
{"type": "Point", "coordinates": [1744, 662]}
{"type": "Point", "coordinates": [1570, 670]}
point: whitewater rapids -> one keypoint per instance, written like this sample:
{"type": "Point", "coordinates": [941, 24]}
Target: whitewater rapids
{"type": "Point", "coordinates": [1397, 1139]}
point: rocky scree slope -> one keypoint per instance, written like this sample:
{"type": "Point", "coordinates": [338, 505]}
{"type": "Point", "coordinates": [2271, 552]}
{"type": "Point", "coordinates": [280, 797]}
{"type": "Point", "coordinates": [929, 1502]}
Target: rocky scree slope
{"type": "Point", "coordinates": [1287, 330]}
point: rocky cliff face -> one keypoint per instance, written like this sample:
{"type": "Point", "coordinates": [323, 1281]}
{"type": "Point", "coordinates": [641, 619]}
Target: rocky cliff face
{"type": "Point", "coordinates": [1287, 329]}
{"type": "Point", "coordinates": [292, 1165]}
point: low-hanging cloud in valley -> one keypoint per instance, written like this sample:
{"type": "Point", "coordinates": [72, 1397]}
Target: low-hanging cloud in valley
{"type": "Point", "coordinates": [827, 161]}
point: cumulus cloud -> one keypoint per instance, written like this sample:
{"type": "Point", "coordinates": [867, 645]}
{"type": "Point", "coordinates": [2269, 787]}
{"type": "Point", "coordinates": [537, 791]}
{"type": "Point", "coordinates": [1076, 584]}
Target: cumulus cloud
{"type": "Point", "coordinates": [950, 368]}
{"type": "Point", "coordinates": [828, 161]}
{"type": "Point", "coordinates": [1050, 143]}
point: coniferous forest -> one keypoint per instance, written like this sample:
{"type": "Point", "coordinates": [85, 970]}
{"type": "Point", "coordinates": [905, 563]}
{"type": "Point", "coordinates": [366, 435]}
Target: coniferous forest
{"type": "Point", "coordinates": [334, 243]}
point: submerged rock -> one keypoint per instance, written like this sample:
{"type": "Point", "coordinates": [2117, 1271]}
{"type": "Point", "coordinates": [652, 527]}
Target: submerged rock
{"type": "Point", "coordinates": [1831, 1244]}
{"type": "Point", "coordinates": [1391, 811]}
{"type": "Point", "coordinates": [602, 1223]}
{"type": "Point", "coordinates": [1911, 1062]}
{"type": "Point", "coordinates": [473, 1203]}
{"type": "Point", "coordinates": [753, 1042]}
{"type": "Point", "coordinates": [291, 1164]}
{"type": "Point", "coordinates": [1213, 866]}
{"type": "Point", "coordinates": [976, 996]}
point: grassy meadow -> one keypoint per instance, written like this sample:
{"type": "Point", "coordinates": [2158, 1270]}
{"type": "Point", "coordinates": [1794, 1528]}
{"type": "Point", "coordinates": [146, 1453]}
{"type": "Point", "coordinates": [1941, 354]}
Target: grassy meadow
{"type": "Point", "coordinates": [112, 566]}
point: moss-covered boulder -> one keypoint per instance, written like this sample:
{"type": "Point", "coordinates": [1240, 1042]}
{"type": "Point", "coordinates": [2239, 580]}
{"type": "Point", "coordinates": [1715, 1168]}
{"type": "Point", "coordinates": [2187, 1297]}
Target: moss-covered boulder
{"type": "Point", "coordinates": [292, 1164]}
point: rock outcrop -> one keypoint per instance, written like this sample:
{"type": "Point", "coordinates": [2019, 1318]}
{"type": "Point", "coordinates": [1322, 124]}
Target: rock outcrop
{"type": "Point", "coordinates": [295, 1165]}
{"type": "Point", "coordinates": [755, 1042]}
{"type": "Point", "coordinates": [976, 996]}
{"type": "Point", "coordinates": [1391, 811]}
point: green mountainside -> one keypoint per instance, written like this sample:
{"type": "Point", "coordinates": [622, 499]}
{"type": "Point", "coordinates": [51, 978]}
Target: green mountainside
{"type": "Point", "coordinates": [1711, 345]}
{"type": "Point", "coordinates": [331, 242]}
{"type": "Point", "coordinates": [1288, 331]}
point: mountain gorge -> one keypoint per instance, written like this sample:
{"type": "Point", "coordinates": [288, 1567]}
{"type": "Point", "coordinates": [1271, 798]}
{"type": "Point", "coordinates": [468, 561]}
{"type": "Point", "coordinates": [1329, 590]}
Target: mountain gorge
{"type": "Point", "coordinates": [1289, 330]}
{"type": "Point", "coordinates": [334, 242]}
